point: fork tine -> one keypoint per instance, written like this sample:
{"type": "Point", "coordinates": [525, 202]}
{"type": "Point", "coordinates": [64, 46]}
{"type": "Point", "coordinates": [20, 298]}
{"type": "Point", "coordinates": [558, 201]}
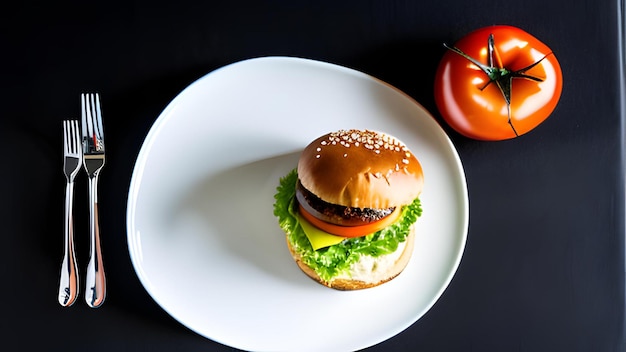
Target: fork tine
{"type": "Point", "coordinates": [98, 120]}
{"type": "Point", "coordinates": [75, 145]}
{"type": "Point", "coordinates": [66, 138]}
{"type": "Point", "coordinates": [83, 115]}
{"type": "Point", "coordinates": [90, 115]}
{"type": "Point", "coordinates": [87, 128]}
{"type": "Point", "coordinates": [85, 119]}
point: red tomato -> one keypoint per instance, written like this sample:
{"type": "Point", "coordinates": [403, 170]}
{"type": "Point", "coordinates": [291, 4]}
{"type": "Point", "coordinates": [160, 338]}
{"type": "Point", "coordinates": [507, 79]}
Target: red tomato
{"type": "Point", "coordinates": [501, 95]}
{"type": "Point", "coordinates": [350, 231]}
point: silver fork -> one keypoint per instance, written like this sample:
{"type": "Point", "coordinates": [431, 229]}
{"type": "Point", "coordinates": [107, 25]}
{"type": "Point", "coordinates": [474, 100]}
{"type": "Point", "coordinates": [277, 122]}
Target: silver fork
{"type": "Point", "coordinates": [68, 284]}
{"type": "Point", "coordinates": [93, 160]}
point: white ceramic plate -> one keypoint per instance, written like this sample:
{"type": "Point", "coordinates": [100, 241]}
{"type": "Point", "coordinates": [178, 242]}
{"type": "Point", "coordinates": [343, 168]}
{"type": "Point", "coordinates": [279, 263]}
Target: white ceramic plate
{"type": "Point", "coordinates": [201, 231]}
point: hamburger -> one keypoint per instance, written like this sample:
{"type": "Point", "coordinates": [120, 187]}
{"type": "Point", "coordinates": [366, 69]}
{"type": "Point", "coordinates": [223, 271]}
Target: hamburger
{"type": "Point", "coordinates": [349, 207]}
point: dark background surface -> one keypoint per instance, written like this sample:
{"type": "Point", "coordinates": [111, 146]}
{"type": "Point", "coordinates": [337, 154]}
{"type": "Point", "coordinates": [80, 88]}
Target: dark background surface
{"type": "Point", "coordinates": [543, 268]}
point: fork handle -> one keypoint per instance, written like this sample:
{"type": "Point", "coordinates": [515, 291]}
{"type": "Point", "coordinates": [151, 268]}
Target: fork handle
{"type": "Point", "coordinates": [68, 283]}
{"type": "Point", "coordinates": [95, 290]}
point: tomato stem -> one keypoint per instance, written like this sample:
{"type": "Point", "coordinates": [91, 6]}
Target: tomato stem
{"type": "Point", "coordinates": [499, 74]}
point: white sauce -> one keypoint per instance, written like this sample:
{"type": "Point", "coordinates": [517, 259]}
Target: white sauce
{"type": "Point", "coordinates": [369, 269]}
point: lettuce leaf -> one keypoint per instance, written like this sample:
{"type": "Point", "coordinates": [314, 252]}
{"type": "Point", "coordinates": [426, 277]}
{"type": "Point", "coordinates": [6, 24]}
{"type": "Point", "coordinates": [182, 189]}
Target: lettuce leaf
{"type": "Point", "coordinates": [334, 260]}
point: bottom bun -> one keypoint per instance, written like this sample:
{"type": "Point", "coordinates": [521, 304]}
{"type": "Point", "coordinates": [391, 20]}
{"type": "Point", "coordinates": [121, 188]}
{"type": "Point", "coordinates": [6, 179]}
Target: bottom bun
{"type": "Point", "coordinates": [368, 271]}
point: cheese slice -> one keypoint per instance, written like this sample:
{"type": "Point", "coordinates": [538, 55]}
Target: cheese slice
{"type": "Point", "coordinates": [318, 238]}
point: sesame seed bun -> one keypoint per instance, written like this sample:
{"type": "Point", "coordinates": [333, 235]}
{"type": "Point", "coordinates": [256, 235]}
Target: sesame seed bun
{"type": "Point", "coordinates": [361, 169]}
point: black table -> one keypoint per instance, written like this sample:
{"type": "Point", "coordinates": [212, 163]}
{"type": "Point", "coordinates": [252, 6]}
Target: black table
{"type": "Point", "coordinates": [543, 268]}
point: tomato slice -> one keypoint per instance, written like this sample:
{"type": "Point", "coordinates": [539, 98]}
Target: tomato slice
{"type": "Point", "coordinates": [351, 231]}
